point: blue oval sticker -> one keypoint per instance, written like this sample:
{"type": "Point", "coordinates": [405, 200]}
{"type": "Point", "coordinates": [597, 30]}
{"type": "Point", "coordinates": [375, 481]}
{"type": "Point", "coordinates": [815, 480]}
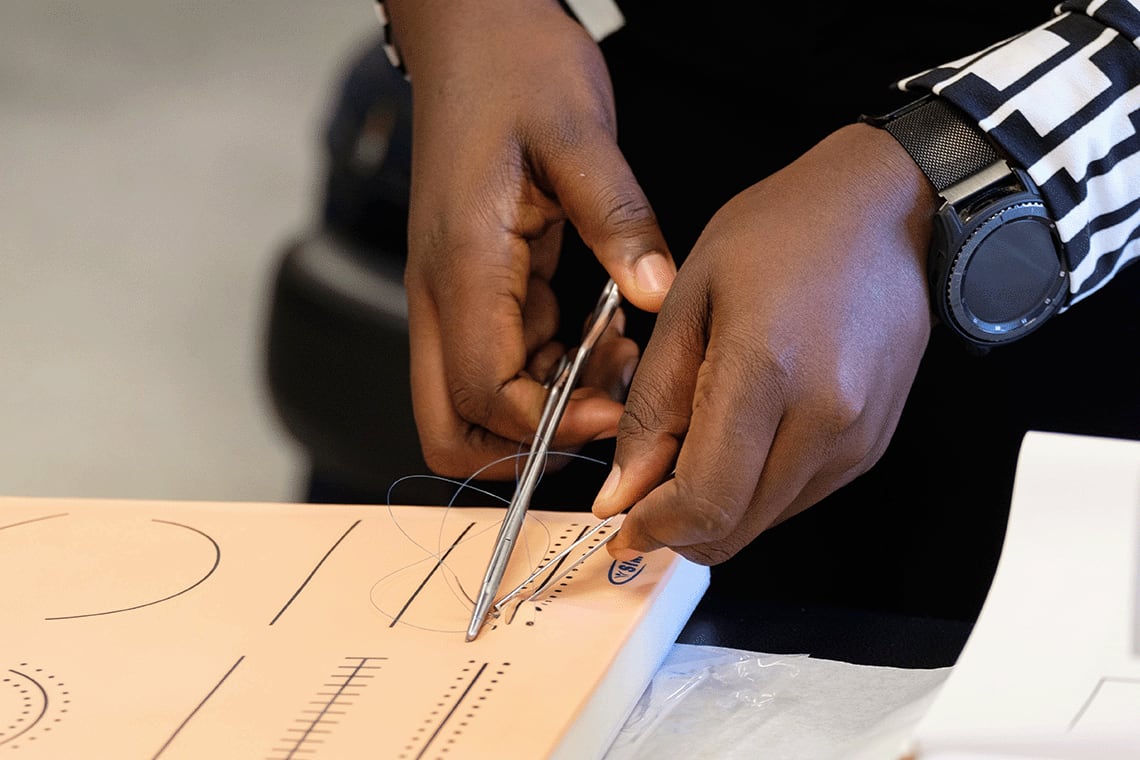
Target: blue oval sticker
{"type": "Point", "coordinates": [624, 571]}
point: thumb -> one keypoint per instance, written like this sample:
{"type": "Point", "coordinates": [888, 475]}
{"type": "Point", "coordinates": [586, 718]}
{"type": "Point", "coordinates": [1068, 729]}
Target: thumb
{"type": "Point", "coordinates": [606, 204]}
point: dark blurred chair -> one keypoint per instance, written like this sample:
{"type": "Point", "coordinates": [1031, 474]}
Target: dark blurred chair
{"type": "Point", "coordinates": [337, 343]}
{"type": "Point", "coordinates": [337, 346]}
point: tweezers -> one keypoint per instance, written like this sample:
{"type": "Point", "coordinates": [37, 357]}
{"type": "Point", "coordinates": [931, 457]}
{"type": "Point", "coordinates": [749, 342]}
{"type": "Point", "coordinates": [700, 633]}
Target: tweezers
{"type": "Point", "coordinates": [560, 387]}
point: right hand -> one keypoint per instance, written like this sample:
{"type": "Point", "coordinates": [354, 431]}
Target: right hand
{"type": "Point", "coordinates": [784, 354]}
{"type": "Point", "coordinates": [513, 135]}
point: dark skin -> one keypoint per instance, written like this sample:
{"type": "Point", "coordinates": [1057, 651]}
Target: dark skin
{"type": "Point", "coordinates": [784, 348]}
{"type": "Point", "coordinates": [503, 157]}
{"type": "Point", "coordinates": [783, 354]}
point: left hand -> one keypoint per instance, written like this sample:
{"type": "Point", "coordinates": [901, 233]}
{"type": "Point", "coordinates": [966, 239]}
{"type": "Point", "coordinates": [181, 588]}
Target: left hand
{"type": "Point", "coordinates": [514, 137]}
{"type": "Point", "coordinates": [783, 353]}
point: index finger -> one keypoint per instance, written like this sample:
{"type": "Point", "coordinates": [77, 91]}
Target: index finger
{"type": "Point", "coordinates": [734, 421]}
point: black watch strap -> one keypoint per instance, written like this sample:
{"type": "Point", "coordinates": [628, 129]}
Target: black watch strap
{"type": "Point", "coordinates": [945, 143]}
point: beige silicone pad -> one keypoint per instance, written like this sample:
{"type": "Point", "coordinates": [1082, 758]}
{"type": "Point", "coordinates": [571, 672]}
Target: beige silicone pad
{"type": "Point", "coordinates": [147, 629]}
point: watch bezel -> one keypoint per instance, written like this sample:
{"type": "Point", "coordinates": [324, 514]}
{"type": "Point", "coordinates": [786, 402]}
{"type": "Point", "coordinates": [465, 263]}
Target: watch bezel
{"type": "Point", "coordinates": [959, 234]}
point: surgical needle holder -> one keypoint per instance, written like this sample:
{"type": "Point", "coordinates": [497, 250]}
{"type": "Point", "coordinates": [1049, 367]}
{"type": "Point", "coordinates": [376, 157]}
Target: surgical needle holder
{"type": "Point", "coordinates": [566, 378]}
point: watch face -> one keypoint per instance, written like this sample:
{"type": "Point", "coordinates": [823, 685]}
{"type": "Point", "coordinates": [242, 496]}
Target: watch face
{"type": "Point", "coordinates": [1012, 273]}
{"type": "Point", "coordinates": [1000, 274]}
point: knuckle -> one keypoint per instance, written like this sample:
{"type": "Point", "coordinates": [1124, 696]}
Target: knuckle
{"type": "Point", "coordinates": [628, 220]}
{"type": "Point", "coordinates": [864, 448]}
{"type": "Point", "coordinates": [626, 212]}
{"type": "Point", "coordinates": [837, 417]}
{"type": "Point", "coordinates": [708, 519]}
{"type": "Point", "coordinates": [753, 364]}
{"type": "Point", "coordinates": [706, 554]}
{"type": "Point", "coordinates": [472, 403]}
{"type": "Point", "coordinates": [439, 456]}
{"type": "Point", "coordinates": [650, 405]}
{"type": "Point", "coordinates": [646, 416]}
{"type": "Point", "coordinates": [844, 414]}
{"type": "Point", "coordinates": [459, 455]}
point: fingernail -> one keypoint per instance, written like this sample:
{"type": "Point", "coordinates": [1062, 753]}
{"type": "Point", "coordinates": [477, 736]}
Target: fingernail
{"type": "Point", "coordinates": [621, 393]}
{"type": "Point", "coordinates": [620, 549]}
{"type": "Point", "coordinates": [653, 273]}
{"type": "Point", "coordinates": [624, 554]}
{"type": "Point", "coordinates": [609, 488]}
{"type": "Point", "coordinates": [627, 373]}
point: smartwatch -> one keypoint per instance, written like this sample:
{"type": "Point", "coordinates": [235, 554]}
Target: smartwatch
{"type": "Point", "coordinates": [996, 269]}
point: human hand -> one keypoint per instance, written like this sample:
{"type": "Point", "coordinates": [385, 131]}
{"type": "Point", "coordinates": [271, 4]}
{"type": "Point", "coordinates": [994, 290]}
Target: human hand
{"type": "Point", "coordinates": [783, 354]}
{"type": "Point", "coordinates": [514, 134]}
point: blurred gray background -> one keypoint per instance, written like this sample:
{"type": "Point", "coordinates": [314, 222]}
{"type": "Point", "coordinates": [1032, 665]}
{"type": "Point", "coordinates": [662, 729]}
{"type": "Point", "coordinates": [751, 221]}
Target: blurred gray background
{"type": "Point", "coordinates": [154, 156]}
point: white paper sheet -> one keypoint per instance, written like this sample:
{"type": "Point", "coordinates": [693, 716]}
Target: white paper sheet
{"type": "Point", "coordinates": [1052, 667]}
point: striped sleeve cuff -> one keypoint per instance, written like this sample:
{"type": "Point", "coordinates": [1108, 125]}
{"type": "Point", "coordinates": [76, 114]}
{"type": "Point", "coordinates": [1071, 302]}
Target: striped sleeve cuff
{"type": "Point", "coordinates": [1063, 100]}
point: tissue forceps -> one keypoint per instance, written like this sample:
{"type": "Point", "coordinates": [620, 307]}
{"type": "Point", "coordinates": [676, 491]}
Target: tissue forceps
{"type": "Point", "coordinates": [557, 575]}
{"type": "Point", "coordinates": [561, 386]}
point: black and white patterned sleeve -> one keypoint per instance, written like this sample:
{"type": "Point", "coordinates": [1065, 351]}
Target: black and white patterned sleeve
{"type": "Point", "coordinates": [1063, 100]}
{"type": "Point", "coordinates": [390, 48]}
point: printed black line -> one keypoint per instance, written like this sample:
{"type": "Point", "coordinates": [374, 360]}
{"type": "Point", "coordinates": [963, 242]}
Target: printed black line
{"type": "Point", "coordinates": [314, 572]}
{"type": "Point", "coordinates": [43, 707]}
{"type": "Point", "coordinates": [561, 562]}
{"type": "Point", "coordinates": [451, 712]}
{"type": "Point", "coordinates": [439, 563]}
{"type": "Point", "coordinates": [199, 706]}
{"type": "Point", "coordinates": [34, 519]}
{"type": "Point", "coordinates": [217, 559]}
{"type": "Point", "coordinates": [313, 724]}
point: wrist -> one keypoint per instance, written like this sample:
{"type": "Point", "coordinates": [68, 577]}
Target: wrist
{"type": "Point", "coordinates": [445, 29]}
{"type": "Point", "coordinates": [896, 192]}
{"type": "Point", "coordinates": [996, 267]}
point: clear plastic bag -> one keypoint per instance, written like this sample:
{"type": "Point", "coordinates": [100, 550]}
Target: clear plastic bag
{"type": "Point", "coordinates": [711, 702]}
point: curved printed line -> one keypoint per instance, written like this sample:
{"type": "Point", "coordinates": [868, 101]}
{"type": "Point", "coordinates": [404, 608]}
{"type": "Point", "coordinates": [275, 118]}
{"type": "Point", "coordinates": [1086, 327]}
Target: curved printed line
{"type": "Point", "coordinates": [217, 559]}
{"type": "Point", "coordinates": [43, 708]}
{"type": "Point", "coordinates": [34, 519]}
